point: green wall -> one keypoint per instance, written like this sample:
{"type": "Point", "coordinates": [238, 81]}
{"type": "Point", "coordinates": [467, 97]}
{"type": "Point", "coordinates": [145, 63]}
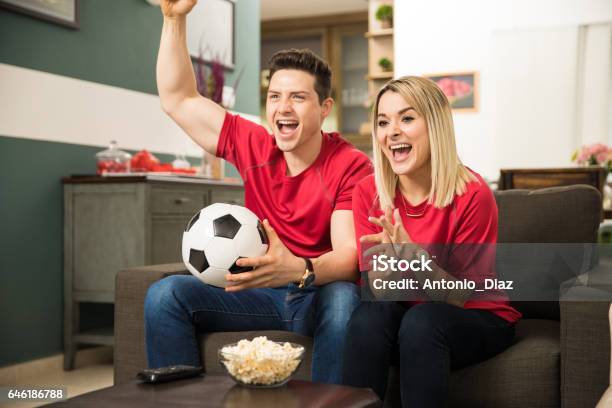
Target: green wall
{"type": "Point", "coordinates": [117, 46]}
{"type": "Point", "coordinates": [31, 238]}
{"type": "Point", "coordinates": [31, 274]}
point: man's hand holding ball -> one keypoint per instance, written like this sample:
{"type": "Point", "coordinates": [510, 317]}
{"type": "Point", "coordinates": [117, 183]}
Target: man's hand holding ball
{"type": "Point", "coordinates": [276, 268]}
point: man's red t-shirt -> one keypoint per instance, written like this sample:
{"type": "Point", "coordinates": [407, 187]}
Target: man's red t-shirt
{"type": "Point", "coordinates": [470, 219]}
{"type": "Point", "coordinates": [299, 208]}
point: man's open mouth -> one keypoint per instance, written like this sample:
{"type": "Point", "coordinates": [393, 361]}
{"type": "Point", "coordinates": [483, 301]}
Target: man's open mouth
{"type": "Point", "coordinates": [400, 151]}
{"type": "Point", "coordinates": [287, 126]}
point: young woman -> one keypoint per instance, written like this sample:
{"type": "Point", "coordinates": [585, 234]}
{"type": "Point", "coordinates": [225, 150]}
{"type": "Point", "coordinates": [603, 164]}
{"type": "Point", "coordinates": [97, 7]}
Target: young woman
{"type": "Point", "coordinates": [422, 194]}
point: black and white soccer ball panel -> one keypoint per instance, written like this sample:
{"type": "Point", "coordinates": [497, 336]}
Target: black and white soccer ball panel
{"type": "Point", "coordinates": [242, 214]}
{"type": "Point", "coordinates": [214, 277]}
{"type": "Point", "coordinates": [216, 237]}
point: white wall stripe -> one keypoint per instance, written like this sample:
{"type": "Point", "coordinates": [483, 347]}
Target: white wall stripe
{"type": "Point", "coordinates": [42, 106]}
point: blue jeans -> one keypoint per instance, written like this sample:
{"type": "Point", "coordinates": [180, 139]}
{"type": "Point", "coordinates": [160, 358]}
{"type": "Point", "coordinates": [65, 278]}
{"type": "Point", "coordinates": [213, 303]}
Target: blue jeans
{"type": "Point", "coordinates": [179, 308]}
{"type": "Point", "coordinates": [426, 340]}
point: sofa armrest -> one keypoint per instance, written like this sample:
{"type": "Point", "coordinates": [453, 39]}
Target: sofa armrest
{"type": "Point", "coordinates": [585, 352]}
{"type": "Point", "coordinates": [606, 399]}
{"type": "Point", "coordinates": [131, 287]}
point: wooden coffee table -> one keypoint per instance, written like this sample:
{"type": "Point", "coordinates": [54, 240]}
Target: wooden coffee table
{"type": "Point", "coordinates": [222, 391]}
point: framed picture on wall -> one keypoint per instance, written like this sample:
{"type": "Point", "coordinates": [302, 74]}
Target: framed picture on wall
{"type": "Point", "coordinates": [461, 89]}
{"type": "Point", "coordinates": [63, 12]}
{"type": "Point", "coordinates": [211, 32]}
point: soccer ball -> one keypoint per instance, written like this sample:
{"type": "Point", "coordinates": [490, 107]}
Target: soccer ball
{"type": "Point", "coordinates": [217, 236]}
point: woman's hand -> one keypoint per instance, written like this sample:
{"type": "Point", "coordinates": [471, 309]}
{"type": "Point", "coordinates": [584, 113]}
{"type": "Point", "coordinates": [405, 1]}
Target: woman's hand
{"type": "Point", "coordinates": [391, 241]}
{"type": "Point", "coordinates": [393, 233]}
{"type": "Point", "coordinates": [377, 244]}
{"type": "Point", "coordinates": [393, 228]}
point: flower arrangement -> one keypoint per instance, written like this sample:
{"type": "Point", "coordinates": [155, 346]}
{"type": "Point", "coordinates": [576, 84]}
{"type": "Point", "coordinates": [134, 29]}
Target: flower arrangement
{"type": "Point", "coordinates": [210, 81]}
{"type": "Point", "coordinates": [597, 154]}
{"type": "Point", "coordinates": [210, 85]}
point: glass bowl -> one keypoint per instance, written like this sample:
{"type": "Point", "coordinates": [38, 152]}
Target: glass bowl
{"type": "Point", "coordinates": [257, 369]}
{"type": "Point", "coordinates": [113, 160]}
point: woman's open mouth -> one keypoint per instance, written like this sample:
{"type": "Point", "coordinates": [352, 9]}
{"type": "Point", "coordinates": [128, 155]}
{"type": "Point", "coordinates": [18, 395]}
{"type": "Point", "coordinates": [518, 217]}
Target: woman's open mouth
{"type": "Point", "coordinates": [400, 151]}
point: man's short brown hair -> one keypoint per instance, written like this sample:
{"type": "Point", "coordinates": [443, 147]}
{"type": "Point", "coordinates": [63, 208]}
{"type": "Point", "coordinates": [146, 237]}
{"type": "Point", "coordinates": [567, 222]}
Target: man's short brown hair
{"type": "Point", "coordinates": [308, 61]}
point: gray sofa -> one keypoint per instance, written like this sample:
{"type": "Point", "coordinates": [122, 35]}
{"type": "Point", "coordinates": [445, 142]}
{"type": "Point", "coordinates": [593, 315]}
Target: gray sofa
{"type": "Point", "coordinates": [561, 354]}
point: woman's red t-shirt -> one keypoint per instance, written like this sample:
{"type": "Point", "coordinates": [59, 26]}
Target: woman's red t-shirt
{"type": "Point", "coordinates": [470, 219]}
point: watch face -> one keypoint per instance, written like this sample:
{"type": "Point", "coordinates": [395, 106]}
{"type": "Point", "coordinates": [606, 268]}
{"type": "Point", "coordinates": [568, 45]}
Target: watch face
{"type": "Point", "coordinates": [309, 279]}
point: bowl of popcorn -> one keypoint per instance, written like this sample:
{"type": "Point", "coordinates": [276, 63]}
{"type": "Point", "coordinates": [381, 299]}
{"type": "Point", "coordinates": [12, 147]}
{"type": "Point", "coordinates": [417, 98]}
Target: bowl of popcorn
{"type": "Point", "coordinates": [261, 362]}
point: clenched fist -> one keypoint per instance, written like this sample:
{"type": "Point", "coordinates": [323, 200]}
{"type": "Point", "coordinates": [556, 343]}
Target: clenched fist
{"type": "Point", "coordinates": [177, 8]}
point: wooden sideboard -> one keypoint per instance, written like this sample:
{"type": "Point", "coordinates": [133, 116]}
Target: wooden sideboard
{"type": "Point", "coordinates": [531, 179]}
{"type": "Point", "coordinates": [113, 223]}
{"type": "Point", "coordinates": [540, 178]}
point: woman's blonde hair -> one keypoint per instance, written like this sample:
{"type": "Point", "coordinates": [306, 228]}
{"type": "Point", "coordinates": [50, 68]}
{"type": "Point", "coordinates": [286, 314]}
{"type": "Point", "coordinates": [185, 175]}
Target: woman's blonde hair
{"type": "Point", "coordinates": [448, 175]}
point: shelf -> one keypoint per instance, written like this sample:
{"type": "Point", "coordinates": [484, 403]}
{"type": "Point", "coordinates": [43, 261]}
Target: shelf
{"type": "Point", "coordinates": [380, 45]}
{"type": "Point", "coordinates": [384, 32]}
{"type": "Point", "coordinates": [103, 336]}
{"type": "Point", "coordinates": [382, 75]}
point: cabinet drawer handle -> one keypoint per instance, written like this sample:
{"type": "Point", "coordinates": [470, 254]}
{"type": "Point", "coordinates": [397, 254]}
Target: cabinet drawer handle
{"type": "Point", "coordinates": [181, 200]}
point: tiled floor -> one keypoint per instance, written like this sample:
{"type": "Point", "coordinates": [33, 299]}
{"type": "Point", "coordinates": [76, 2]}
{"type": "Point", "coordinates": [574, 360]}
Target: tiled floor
{"type": "Point", "coordinates": [78, 381]}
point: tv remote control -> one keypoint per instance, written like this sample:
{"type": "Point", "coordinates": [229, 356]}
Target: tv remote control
{"type": "Point", "coordinates": [170, 373]}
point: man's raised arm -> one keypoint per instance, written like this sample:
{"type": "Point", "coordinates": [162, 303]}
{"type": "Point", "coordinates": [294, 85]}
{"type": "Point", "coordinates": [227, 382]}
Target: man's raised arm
{"type": "Point", "coordinates": [199, 117]}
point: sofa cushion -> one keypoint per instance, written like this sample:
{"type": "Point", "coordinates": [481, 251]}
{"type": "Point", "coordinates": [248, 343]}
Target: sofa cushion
{"type": "Point", "coordinates": [557, 214]}
{"type": "Point", "coordinates": [524, 375]}
{"type": "Point", "coordinates": [211, 343]}
{"type": "Point", "coordinates": [568, 214]}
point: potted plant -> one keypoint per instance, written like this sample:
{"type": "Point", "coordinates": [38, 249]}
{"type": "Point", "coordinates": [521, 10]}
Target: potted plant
{"type": "Point", "coordinates": [384, 14]}
{"type": "Point", "coordinates": [385, 64]}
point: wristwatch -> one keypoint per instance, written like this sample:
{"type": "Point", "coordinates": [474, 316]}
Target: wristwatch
{"type": "Point", "coordinates": [308, 277]}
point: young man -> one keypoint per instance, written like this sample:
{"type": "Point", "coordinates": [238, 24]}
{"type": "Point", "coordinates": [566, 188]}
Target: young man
{"type": "Point", "coordinates": [298, 180]}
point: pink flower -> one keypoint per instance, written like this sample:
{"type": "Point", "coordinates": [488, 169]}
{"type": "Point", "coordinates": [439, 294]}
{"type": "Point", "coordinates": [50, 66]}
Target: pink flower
{"type": "Point", "coordinates": [597, 153]}
{"type": "Point", "coordinates": [597, 148]}
{"type": "Point", "coordinates": [583, 155]}
{"type": "Point", "coordinates": [601, 157]}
